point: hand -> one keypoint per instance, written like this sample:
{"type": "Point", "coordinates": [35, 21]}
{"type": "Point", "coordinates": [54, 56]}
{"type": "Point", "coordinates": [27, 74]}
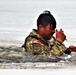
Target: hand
{"type": "Point", "coordinates": [60, 36]}
{"type": "Point", "coordinates": [72, 48]}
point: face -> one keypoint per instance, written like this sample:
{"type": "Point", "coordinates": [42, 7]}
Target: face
{"type": "Point", "coordinates": [48, 32]}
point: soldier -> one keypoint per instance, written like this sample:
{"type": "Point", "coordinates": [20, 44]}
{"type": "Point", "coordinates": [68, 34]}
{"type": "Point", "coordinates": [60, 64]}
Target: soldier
{"type": "Point", "coordinates": [42, 41]}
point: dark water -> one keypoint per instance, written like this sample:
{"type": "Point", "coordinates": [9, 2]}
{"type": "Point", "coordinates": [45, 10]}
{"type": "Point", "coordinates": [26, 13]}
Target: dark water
{"type": "Point", "coordinates": [18, 54]}
{"type": "Point", "coordinates": [16, 58]}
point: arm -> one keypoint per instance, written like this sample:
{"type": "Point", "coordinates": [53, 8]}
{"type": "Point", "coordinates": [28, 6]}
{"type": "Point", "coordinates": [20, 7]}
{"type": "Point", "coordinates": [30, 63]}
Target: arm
{"type": "Point", "coordinates": [58, 46]}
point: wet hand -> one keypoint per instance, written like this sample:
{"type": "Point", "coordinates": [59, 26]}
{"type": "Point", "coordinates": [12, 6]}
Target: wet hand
{"type": "Point", "coordinates": [60, 36]}
{"type": "Point", "coordinates": [72, 48]}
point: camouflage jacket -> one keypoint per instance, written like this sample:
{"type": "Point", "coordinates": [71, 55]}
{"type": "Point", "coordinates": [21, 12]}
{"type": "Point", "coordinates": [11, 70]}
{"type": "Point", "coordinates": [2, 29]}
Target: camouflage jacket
{"type": "Point", "coordinates": [35, 44]}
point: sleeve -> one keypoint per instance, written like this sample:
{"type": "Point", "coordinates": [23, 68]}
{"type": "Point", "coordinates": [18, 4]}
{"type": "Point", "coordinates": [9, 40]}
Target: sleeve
{"type": "Point", "coordinates": [57, 47]}
{"type": "Point", "coordinates": [67, 51]}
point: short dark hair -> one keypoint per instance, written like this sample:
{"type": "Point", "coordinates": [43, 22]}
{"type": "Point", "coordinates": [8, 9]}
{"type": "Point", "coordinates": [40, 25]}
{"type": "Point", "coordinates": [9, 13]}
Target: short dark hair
{"type": "Point", "coordinates": [46, 18]}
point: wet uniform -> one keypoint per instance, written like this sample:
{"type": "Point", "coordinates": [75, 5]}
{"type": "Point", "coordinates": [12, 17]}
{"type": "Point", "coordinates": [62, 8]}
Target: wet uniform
{"type": "Point", "coordinates": [36, 45]}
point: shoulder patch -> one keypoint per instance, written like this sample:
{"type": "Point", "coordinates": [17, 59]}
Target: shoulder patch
{"type": "Point", "coordinates": [36, 48]}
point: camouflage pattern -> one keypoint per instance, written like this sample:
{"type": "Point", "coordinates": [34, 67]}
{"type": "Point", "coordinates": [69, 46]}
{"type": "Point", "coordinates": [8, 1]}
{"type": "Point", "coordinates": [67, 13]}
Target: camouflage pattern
{"type": "Point", "coordinates": [36, 45]}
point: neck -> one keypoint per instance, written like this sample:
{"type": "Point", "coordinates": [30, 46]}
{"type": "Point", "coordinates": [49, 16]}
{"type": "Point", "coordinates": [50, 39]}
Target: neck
{"type": "Point", "coordinates": [39, 32]}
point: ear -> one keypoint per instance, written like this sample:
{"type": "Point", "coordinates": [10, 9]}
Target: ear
{"type": "Point", "coordinates": [40, 27]}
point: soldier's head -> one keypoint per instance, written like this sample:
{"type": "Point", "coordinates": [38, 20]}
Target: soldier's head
{"type": "Point", "coordinates": [46, 25]}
